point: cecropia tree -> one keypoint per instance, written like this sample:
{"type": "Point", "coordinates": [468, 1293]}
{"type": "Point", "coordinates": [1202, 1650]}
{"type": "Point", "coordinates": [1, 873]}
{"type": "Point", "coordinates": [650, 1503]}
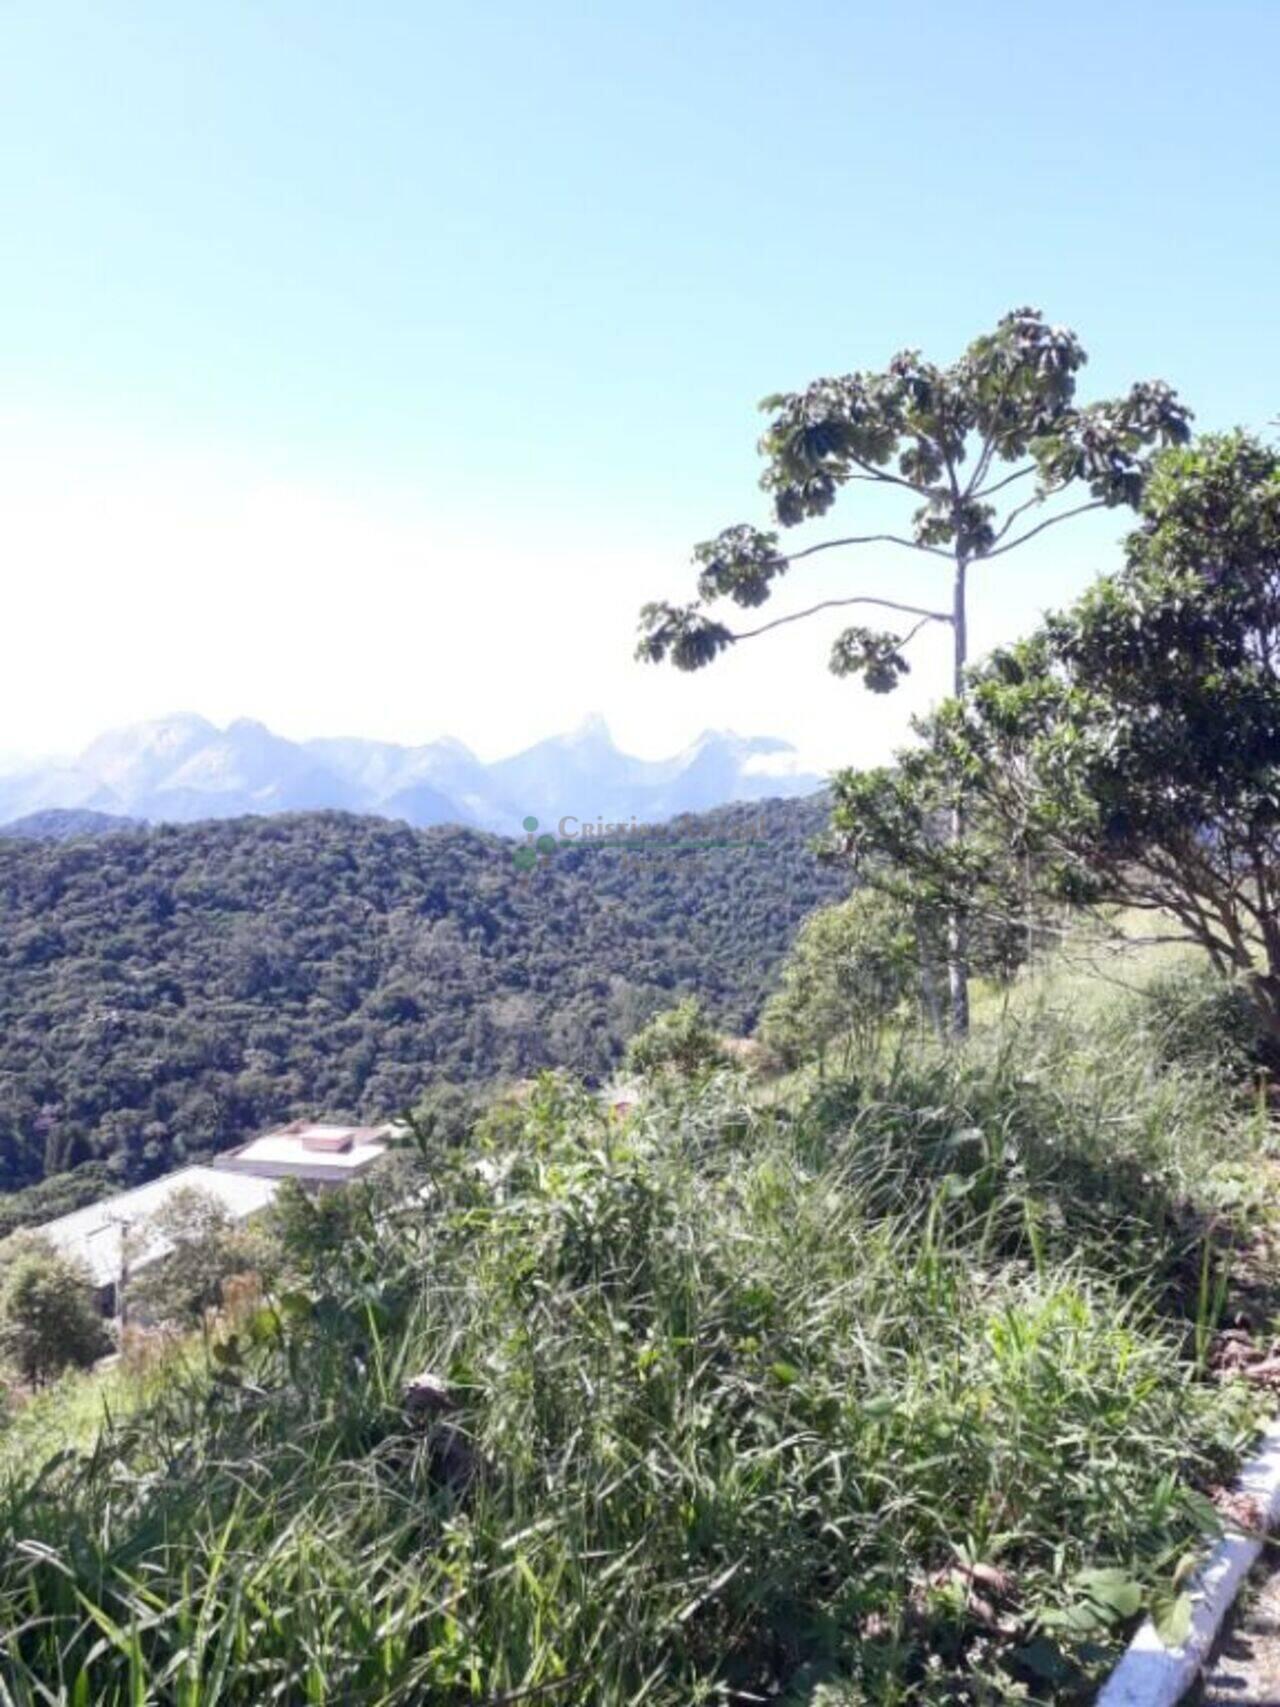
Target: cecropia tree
{"type": "Point", "coordinates": [989, 452]}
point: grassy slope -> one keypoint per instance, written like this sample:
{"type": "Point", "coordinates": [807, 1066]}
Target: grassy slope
{"type": "Point", "coordinates": [71, 1413]}
{"type": "Point", "coordinates": [747, 1384]}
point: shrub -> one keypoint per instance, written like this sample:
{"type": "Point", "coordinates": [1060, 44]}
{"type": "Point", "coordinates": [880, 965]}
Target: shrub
{"type": "Point", "coordinates": [853, 968]}
{"type": "Point", "coordinates": [47, 1317]}
{"type": "Point", "coordinates": [681, 1042]}
{"type": "Point", "coordinates": [1200, 1019]}
{"type": "Point", "coordinates": [445, 1116]}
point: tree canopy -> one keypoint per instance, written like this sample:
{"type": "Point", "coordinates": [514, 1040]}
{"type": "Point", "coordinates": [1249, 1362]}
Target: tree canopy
{"type": "Point", "coordinates": [1130, 746]}
{"type": "Point", "coordinates": [47, 1319]}
{"type": "Point", "coordinates": [681, 1041]}
{"type": "Point", "coordinates": [962, 443]}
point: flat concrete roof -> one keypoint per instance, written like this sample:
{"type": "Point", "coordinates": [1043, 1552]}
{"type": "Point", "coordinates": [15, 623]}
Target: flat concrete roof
{"type": "Point", "coordinates": [93, 1235]}
{"type": "Point", "coordinates": [277, 1147]}
{"type": "Point", "coordinates": [314, 1150]}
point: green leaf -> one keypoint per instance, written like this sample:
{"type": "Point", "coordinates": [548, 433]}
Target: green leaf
{"type": "Point", "coordinates": [1045, 1659]}
{"type": "Point", "coordinates": [1114, 1589]}
{"type": "Point", "coordinates": [1171, 1615]}
{"type": "Point", "coordinates": [294, 1306]}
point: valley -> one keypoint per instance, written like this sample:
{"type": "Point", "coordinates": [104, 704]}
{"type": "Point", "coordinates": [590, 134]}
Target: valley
{"type": "Point", "coordinates": [166, 992]}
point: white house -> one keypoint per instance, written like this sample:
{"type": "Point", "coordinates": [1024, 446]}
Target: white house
{"type": "Point", "coordinates": [96, 1236]}
{"type": "Point", "coordinates": [117, 1232]}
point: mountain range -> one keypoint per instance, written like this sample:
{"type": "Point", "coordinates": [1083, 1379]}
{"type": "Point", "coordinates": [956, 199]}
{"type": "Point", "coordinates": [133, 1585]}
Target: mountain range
{"type": "Point", "coordinates": [183, 768]}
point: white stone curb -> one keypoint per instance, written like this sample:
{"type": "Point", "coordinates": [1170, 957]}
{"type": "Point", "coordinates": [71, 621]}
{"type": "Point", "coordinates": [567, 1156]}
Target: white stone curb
{"type": "Point", "coordinates": [1151, 1675]}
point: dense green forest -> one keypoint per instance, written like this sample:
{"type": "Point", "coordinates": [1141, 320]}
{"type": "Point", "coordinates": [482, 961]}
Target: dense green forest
{"type": "Point", "coordinates": [163, 992]}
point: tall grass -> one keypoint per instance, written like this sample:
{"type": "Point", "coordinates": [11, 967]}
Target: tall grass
{"type": "Point", "coordinates": [747, 1397]}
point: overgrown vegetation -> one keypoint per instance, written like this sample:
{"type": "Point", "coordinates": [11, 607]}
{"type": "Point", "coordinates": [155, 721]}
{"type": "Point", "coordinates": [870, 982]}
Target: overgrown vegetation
{"type": "Point", "coordinates": [1127, 752]}
{"type": "Point", "coordinates": [681, 1043]}
{"type": "Point", "coordinates": [855, 968]}
{"type": "Point", "coordinates": [205, 1250]}
{"type": "Point", "coordinates": [893, 1392]}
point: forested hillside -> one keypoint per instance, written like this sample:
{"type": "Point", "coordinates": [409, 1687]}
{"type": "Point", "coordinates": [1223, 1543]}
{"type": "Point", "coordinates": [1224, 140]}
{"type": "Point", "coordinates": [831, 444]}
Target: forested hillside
{"type": "Point", "coordinates": [164, 992]}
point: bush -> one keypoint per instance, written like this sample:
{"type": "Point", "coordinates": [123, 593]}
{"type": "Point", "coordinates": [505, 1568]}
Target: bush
{"type": "Point", "coordinates": [681, 1043]}
{"type": "Point", "coordinates": [47, 1317]}
{"type": "Point", "coordinates": [446, 1116]}
{"type": "Point", "coordinates": [853, 969]}
{"type": "Point", "coordinates": [313, 1231]}
{"type": "Point", "coordinates": [1200, 1019]}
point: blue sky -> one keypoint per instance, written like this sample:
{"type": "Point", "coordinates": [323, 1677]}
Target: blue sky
{"type": "Point", "coordinates": [363, 367]}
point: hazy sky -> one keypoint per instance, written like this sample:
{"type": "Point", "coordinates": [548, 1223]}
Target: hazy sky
{"type": "Point", "coordinates": [363, 367]}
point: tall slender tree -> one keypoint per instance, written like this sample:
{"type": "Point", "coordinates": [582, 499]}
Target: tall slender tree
{"type": "Point", "coordinates": [990, 451]}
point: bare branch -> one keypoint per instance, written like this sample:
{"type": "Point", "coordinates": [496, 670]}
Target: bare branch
{"type": "Point", "coordinates": [1021, 509]}
{"type": "Point", "coordinates": [1018, 474]}
{"type": "Point", "coordinates": [1065, 516]}
{"type": "Point", "coordinates": [837, 604]}
{"type": "Point", "coordinates": [915, 628]}
{"type": "Point", "coordinates": [981, 466]}
{"type": "Point", "coordinates": [989, 447]}
{"type": "Point", "coordinates": [868, 539]}
{"type": "Point", "coordinates": [874, 473]}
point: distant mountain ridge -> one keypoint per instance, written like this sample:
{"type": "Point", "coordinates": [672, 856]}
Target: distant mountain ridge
{"type": "Point", "coordinates": [64, 824]}
{"type": "Point", "coordinates": [183, 768]}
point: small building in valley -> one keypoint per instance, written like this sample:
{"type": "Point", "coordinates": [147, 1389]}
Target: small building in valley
{"type": "Point", "coordinates": [116, 1237]}
{"type": "Point", "coordinates": [311, 1152]}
